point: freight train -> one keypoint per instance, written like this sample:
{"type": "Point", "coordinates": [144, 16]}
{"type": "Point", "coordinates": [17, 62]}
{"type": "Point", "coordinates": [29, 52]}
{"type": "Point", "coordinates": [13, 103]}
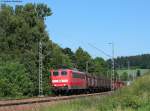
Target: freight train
{"type": "Point", "coordinates": [68, 81]}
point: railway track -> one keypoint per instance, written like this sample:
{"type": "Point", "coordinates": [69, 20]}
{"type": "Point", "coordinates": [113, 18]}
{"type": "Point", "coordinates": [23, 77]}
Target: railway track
{"type": "Point", "coordinates": [17, 102]}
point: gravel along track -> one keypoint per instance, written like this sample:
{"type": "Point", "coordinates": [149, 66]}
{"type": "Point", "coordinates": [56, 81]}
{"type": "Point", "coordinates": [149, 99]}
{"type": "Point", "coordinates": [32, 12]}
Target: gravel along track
{"type": "Point", "coordinates": [35, 103]}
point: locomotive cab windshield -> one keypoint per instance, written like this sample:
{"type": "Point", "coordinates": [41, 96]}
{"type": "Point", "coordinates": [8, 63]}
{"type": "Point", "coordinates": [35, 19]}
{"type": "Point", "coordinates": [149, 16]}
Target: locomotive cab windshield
{"type": "Point", "coordinates": [63, 73]}
{"type": "Point", "coordinates": [55, 73]}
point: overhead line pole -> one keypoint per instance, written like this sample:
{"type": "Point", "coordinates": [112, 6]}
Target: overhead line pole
{"type": "Point", "coordinates": [40, 70]}
{"type": "Point", "coordinates": [113, 68]}
{"type": "Point", "coordinates": [113, 62]}
{"type": "Point", "coordinates": [128, 69]}
{"type": "Point", "coordinates": [87, 66]}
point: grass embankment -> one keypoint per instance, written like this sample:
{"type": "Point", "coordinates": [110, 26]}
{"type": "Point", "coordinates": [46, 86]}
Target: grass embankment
{"type": "Point", "coordinates": [133, 98]}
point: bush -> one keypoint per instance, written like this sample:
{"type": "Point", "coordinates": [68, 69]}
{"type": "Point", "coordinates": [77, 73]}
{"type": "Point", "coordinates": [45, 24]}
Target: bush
{"type": "Point", "coordinates": [14, 81]}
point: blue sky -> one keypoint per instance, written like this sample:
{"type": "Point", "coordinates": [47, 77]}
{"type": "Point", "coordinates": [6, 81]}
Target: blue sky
{"type": "Point", "coordinates": [76, 23]}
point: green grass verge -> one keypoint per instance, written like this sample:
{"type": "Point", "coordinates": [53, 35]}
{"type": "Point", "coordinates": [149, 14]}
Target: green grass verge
{"type": "Point", "coordinates": [132, 98]}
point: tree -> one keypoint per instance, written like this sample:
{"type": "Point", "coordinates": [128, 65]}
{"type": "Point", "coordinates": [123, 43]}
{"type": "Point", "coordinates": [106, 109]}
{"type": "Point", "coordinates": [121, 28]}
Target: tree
{"type": "Point", "coordinates": [99, 66]}
{"type": "Point", "coordinates": [21, 29]}
{"type": "Point", "coordinates": [67, 51]}
{"type": "Point", "coordinates": [138, 61]}
{"type": "Point", "coordinates": [14, 80]}
{"type": "Point", "coordinates": [82, 57]}
{"type": "Point", "coordinates": [59, 60]}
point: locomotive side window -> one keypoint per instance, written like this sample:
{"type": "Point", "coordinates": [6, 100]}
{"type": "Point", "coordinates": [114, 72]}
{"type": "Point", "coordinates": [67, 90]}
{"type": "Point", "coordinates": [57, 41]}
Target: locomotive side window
{"type": "Point", "coordinates": [63, 73]}
{"type": "Point", "coordinates": [55, 73]}
{"type": "Point", "coordinates": [75, 75]}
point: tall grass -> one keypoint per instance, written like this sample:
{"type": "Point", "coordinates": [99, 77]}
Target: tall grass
{"type": "Point", "coordinates": [132, 98]}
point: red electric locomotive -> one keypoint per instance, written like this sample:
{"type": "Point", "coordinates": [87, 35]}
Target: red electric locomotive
{"type": "Point", "coordinates": [67, 81]}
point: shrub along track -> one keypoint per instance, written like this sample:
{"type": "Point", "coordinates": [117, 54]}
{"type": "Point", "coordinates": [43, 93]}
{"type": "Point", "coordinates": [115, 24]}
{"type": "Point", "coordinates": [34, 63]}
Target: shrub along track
{"type": "Point", "coordinates": [29, 103]}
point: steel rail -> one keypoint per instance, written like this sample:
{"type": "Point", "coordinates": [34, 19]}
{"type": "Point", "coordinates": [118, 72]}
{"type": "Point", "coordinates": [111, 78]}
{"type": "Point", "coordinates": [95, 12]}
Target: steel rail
{"type": "Point", "coordinates": [47, 99]}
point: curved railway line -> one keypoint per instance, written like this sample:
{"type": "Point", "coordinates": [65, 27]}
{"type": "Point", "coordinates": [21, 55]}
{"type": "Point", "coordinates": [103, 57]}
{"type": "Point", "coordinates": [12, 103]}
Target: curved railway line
{"type": "Point", "coordinates": [5, 104]}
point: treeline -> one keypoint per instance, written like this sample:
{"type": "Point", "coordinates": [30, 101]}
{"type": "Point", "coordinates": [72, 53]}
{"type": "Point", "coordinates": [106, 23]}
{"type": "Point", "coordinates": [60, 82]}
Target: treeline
{"type": "Point", "coordinates": [138, 61]}
{"type": "Point", "coordinates": [21, 30]}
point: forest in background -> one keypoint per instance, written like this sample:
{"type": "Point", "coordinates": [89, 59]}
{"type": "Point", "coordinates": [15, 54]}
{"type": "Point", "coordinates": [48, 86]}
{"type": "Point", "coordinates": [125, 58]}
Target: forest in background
{"type": "Point", "coordinates": [21, 29]}
{"type": "Point", "coordinates": [137, 61]}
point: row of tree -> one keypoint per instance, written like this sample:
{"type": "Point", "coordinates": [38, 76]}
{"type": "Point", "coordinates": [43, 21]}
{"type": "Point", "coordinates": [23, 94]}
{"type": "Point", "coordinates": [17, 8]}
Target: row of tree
{"type": "Point", "coordinates": [138, 61]}
{"type": "Point", "coordinates": [84, 62]}
{"type": "Point", "coordinates": [21, 30]}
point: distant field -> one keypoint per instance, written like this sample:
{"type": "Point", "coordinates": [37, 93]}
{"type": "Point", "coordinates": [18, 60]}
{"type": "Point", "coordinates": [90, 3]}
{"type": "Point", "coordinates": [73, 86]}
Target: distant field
{"type": "Point", "coordinates": [133, 71]}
